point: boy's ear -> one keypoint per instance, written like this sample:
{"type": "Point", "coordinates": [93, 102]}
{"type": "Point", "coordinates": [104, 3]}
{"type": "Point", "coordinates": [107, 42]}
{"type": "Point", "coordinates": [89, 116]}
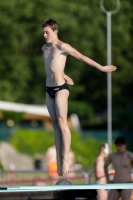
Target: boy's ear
{"type": "Point", "coordinates": [56, 32]}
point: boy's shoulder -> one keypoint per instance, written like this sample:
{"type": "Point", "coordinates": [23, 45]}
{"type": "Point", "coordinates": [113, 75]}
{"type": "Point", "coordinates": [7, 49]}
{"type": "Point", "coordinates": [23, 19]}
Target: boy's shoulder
{"type": "Point", "coordinates": [112, 155]}
{"type": "Point", "coordinates": [61, 43]}
{"type": "Point", "coordinates": [64, 47]}
{"type": "Point", "coordinates": [129, 154]}
{"type": "Point", "coordinates": [43, 47]}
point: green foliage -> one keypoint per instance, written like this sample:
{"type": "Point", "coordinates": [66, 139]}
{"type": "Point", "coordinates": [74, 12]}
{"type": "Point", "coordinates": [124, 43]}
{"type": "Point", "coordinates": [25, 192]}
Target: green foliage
{"type": "Point", "coordinates": [37, 142]}
{"type": "Point", "coordinates": [15, 116]}
{"type": "Point", "coordinates": [31, 142]}
{"type": "Point", "coordinates": [83, 25]}
{"type": "Point", "coordinates": [1, 166]}
{"type": "Point", "coordinates": [86, 149]}
{"type": "Point", "coordinates": [83, 110]}
{"type": "Point", "coordinates": [119, 116]}
{"type": "Point", "coordinates": [130, 145]}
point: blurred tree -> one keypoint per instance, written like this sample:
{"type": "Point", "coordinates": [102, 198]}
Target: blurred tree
{"type": "Point", "coordinates": [15, 116]}
{"type": "Point", "coordinates": [35, 142]}
{"type": "Point", "coordinates": [83, 25]}
{"type": "Point", "coordinates": [39, 141]}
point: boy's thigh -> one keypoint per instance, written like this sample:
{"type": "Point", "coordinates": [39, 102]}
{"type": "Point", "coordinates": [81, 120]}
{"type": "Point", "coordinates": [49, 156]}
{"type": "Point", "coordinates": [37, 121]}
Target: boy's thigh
{"type": "Point", "coordinates": [126, 194]}
{"type": "Point", "coordinates": [50, 102]}
{"type": "Point", "coordinates": [113, 195]}
{"type": "Point", "coordinates": [102, 194]}
{"type": "Point", "coordinates": [61, 103]}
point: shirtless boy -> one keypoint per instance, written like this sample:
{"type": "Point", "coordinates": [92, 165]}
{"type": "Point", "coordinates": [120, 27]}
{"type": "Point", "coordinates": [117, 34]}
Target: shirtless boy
{"type": "Point", "coordinates": [99, 170]}
{"type": "Point", "coordinates": [57, 92]}
{"type": "Point", "coordinates": [123, 163]}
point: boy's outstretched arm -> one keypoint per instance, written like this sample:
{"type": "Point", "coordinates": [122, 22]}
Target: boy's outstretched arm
{"type": "Point", "coordinates": [66, 48]}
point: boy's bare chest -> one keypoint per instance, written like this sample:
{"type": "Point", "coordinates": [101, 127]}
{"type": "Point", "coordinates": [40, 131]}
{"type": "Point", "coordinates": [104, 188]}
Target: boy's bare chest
{"type": "Point", "coordinates": [50, 54]}
{"type": "Point", "coordinates": [121, 161]}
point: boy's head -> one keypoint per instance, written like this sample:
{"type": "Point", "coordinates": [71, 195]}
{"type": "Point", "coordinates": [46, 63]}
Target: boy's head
{"type": "Point", "coordinates": [50, 23]}
{"type": "Point", "coordinates": [50, 30]}
{"type": "Point", "coordinates": [104, 148]}
{"type": "Point", "coordinates": [120, 140]}
{"type": "Point", "coordinates": [120, 143]}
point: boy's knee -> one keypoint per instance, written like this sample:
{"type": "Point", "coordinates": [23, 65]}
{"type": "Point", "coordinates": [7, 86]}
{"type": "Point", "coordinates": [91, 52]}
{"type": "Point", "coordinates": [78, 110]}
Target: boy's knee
{"type": "Point", "coordinates": [54, 122]}
{"type": "Point", "coordinates": [61, 122]}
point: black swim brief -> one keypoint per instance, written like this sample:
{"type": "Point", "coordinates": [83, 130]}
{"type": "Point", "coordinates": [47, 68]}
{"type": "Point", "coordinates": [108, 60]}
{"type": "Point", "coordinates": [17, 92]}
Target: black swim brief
{"type": "Point", "coordinates": [52, 90]}
{"type": "Point", "coordinates": [119, 190]}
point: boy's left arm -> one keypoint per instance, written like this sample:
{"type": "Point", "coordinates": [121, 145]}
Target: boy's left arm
{"type": "Point", "coordinates": [68, 80]}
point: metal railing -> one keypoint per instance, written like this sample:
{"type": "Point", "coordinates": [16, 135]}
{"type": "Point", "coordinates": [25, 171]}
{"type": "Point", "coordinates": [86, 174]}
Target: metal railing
{"type": "Point", "coordinates": [39, 177]}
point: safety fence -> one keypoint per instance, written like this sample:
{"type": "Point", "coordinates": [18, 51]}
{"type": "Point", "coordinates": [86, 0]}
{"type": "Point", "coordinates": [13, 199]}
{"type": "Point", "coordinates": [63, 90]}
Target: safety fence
{"type": "Point", "coordinates": [39, 177]}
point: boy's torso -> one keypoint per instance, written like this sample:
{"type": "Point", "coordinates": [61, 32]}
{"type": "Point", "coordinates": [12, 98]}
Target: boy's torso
{"type": "Point", "coordinates": [55, 62]}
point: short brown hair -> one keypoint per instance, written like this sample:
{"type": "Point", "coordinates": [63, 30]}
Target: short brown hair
{"type": "Point", "coordinates": [51, 23]}
{"type": "Point", "coordinates": [101, 147]}
{"type": "Point", "coordinates": [120, 140]}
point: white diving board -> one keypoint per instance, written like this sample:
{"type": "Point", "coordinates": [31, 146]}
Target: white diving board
{"type": "Point", "coordinates": [65, 187]}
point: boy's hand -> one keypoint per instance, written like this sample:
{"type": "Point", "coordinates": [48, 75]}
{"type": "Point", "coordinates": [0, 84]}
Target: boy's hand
{"type": "Point", "coordinates": [109, 68]}
{"type": "Point", "coordinates": [68, 80]}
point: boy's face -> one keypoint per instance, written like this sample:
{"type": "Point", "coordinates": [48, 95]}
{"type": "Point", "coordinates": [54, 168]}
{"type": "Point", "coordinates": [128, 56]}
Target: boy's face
{"type": "Point", "coordinates": [121, 148]}
{"type": "Point", "coordinates": [49, 34]}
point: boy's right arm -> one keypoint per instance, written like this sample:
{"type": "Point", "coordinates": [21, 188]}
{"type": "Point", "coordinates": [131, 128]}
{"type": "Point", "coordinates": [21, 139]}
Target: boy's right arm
{"type": "Point", "coordinates": [43, 47]}
{"type": "Point", "coordinates": [66, 48]}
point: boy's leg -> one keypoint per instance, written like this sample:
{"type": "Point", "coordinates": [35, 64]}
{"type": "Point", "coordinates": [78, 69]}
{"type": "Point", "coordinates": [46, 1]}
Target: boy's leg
{"type": "Point", "coordinates": [102, 194]}
{"type": "Point", "coordinates": [126, 194]}
{"type": "Point", "coordinates": [57, 133]}
{"type": "Point", "coordinates": [114, 195]}
{"type": "Point", "coordinates": [61, 107]}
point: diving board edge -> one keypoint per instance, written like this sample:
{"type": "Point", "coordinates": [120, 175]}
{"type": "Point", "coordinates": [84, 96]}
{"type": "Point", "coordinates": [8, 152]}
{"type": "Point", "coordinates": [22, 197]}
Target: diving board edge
{"type": "Point", "coordinates": [66, 187]}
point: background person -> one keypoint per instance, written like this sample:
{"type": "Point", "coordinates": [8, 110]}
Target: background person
{"type": "Point", "coordinates": [51, 161]}
{"type": "Point", "coordinates": [99, 173]}
{"type": "Point", "coordinates": [122, 161]}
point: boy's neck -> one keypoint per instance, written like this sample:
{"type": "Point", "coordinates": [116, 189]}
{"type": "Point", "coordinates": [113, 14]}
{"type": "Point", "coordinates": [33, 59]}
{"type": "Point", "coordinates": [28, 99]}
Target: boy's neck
{"type": "Point", "coordinates": [51, 44]}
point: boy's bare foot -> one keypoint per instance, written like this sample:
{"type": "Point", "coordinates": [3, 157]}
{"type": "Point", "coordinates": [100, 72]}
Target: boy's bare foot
{"type": "Point", "coordinates": [65, 167]}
